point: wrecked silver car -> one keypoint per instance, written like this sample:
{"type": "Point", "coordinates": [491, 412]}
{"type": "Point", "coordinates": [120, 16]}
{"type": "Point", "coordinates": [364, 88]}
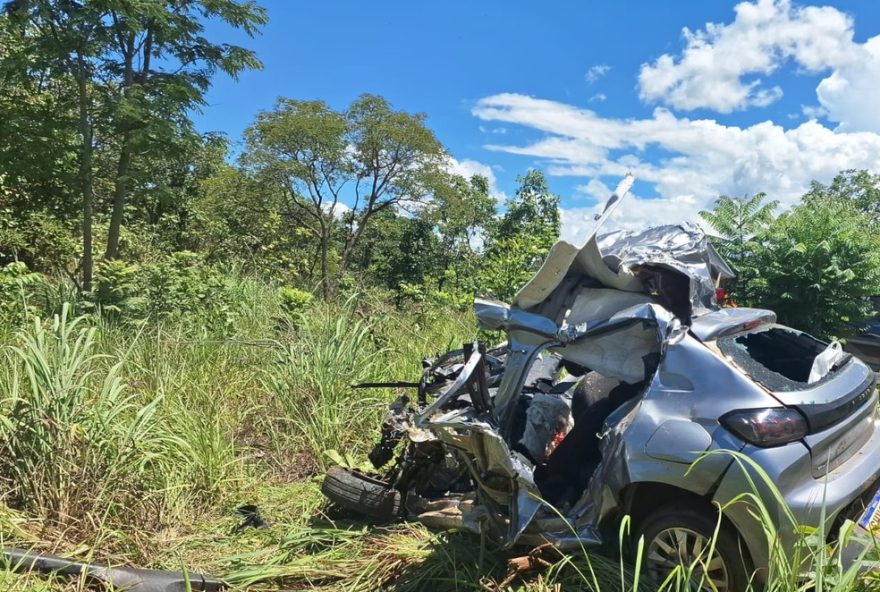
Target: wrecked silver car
{"type": "Point", "coordinates": [620, 370]}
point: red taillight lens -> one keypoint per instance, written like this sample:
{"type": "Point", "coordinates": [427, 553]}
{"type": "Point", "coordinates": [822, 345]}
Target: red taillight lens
{"type": "Point", "coordinates": [767, 427]}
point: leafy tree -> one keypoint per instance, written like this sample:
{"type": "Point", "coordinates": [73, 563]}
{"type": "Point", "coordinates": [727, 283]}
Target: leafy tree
{"type": "Point", "coordinates": [135, 71]}
{"type": "Point", "coordinates": [859, 187]}
{"type": "Point", "coordinates": [819, 265]}
{"type": "Point", "coordinates": [161, 67]}
{"type": "Point", "coordinates": [401, 251]}
{"type": "Point", "coordinates": [534, 212]}
{"type": "Point", "coordinates": [462, 222]}
{"type": "Point", "coordinates": [61, 40]}
{"type": "Point", "coordinates": [520, 240]}
{"type": "Point", "coordinates": [359, 163]}
{"type": "Point", "coordinates": [740, 222]}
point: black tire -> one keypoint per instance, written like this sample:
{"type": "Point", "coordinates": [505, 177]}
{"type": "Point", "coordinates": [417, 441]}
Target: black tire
{"type": "Point", "coordinates": [361, 493]}
{"type": "Point", "coordinates": [664, 521]}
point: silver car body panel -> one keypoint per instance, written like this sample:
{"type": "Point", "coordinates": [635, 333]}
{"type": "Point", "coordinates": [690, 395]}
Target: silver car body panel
{"type": "Point", "coordinates": [590, 303]}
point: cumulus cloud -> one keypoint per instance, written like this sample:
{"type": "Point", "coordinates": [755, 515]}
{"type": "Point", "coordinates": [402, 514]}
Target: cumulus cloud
{"type": "Point", "coordinates": [468, 168]}
{"type": "Point", "coordinates": [849, 94]}
{"type": "Point", "coordinates": [700, 158]}
{"type": "Point", "coordinates": [337, 210]}
{"type": "Point", "coordinates": [721, 65]}
{"type": "Point", "coordinates": [596, 72]}
{"type": "Point", "coordinates": [633, 214]}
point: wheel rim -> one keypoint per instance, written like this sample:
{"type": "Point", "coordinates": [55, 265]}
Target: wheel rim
{"type": "Point", "coordinates": [684, 547]}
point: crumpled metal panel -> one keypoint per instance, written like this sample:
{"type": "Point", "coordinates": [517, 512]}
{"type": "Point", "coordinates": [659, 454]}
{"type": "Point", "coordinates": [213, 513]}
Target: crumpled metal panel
{"type": "Point", "coordinates": [727, 321]}
{"type": "Point", "coordinates": [482, 443]}
{"type": "Point", "coordinates": [684, 248]}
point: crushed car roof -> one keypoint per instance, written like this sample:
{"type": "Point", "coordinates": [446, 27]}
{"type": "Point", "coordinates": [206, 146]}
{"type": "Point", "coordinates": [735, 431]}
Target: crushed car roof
{"type": "Point", "coordinates": [673, 262]}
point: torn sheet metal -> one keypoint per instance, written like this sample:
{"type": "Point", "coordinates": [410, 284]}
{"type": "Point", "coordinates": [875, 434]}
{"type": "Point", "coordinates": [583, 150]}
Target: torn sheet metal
{"type": "Point", "coordinates": [636, 262]}
{"type": "Point", "coordinates": [564, 256]}
{"type": "Point", "coordinates": [506, 477]}
{"type": "Point", "coordinates": [624, 346]}
{"type": "Point", "coordinates": [825, 361]}
{"type": "Point", "coordinates": [684, 248]}
{"type": "Point", "coordinates": [729, 321]}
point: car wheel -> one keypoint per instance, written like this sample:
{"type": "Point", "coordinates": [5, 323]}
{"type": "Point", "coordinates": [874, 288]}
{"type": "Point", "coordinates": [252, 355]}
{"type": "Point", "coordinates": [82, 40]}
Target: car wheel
{"type": "Point", "coordinates": [677, 535]}
{"type": "Point", "coordinates": [361, 493]}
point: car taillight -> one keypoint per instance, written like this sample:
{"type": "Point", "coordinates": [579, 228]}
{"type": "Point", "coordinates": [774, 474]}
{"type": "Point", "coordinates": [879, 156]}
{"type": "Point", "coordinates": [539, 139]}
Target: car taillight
{"type": "Point", "coordinates": [767, 427]}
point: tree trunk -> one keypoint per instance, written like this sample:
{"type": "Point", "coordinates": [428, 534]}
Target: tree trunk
{"type": "Point", "coordinates": [326, 286]}
{"type": "Point", "coordinates": [119, 192]}
{"type": "Point", "coordinates": [124, 163]}
{"type": "Point", "coordinates": [85, 175]}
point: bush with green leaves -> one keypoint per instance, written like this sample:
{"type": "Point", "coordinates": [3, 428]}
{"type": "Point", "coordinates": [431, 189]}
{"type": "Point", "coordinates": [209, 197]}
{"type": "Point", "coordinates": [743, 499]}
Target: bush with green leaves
{"type": "Point", "coordinates": [40, 240]}
{"type": "Point", "coordinates": [819, 263]}
{"type": "Point", "coordinates": [177, 286]}
{"type": "Point", "coordinates": [294, 302]}
{"type": "Point", "coordinates": [21, 292]}
{"type": "Point", "coordinates": [740, 223]}
{"type": "Point", "coordinates": [116, 290]}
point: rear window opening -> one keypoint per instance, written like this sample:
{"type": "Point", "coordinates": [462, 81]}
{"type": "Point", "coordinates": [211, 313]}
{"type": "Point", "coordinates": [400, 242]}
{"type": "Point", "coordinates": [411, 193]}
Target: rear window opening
{"type": "Point", "coordinates": [779, 358]}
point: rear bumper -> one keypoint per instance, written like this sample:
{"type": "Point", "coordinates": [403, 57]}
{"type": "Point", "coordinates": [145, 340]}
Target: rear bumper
{"type": "Point", "coordinates": [789, 470]}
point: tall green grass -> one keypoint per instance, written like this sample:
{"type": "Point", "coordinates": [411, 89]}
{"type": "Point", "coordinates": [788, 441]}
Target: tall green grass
{"type": "Point", "coordinates": [336, 346]}
{"type": "Point", "coordinates": [136, 442]}
{"type": "Point", "coordinates": [78, 448]}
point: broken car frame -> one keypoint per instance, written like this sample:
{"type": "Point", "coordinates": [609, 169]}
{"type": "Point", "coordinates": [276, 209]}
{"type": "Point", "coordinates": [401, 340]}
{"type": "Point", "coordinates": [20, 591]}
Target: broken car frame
{"type": "Point", "coordinates": [626, 331]}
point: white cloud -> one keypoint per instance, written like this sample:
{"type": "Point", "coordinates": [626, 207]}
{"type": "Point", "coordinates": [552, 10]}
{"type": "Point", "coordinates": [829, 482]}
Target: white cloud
{"type": "Point", "coordinates": [337, 210]}
{"type": "Point", "coordinates": [721, 65]}
{"type": "Point", "coordinates": [700, 160]}
{"type": "Point", "coordinates": [849, 94]}
{"type": "Point", "coordinates": [595, 189]}
{"type": "Point", "coordinates": [468, 168]}
{"type": "Point", "coordinates": [633, 214]}
{"type": "Point", "coordinates": [600, 97]}
{"type": "Point", "coordinates": [596, 72]}
{"type": "Point", "coordinates": [713, 68]}
{"type": "Point", "coordinates": [812, 112]}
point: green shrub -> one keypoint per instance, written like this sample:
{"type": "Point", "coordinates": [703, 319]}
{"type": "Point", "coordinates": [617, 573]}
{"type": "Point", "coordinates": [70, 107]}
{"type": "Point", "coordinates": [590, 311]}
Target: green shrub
{"type": "Point", "coordinates": [20, 292]}
{"type": "Point", "coordinates": [116, 288]}
{"type": "Point", "coordinates": [179, 286]}
{"type": "Point", "coordinates": [294, 302]}
{"type": "Point", "coordinates": [37, 238]}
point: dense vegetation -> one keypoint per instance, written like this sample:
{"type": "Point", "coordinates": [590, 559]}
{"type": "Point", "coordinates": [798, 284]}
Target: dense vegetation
{"type": "Point", "coordinates": [180, 324]}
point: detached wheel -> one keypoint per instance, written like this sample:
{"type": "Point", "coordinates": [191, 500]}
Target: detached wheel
{"type": "Point", "coordinates": [677, 535]}
{"type": "Point", "coordinates": [361, 493]}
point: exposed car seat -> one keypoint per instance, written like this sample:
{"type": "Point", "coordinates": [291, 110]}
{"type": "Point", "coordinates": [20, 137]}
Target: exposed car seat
{"type": "Point", "coordinates": [568, 470]}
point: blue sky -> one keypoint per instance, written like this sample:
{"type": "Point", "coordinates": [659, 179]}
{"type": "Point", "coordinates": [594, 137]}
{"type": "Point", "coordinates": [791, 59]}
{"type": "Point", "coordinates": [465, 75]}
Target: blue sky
{"type": "Point", "coordinates": [770, 96]}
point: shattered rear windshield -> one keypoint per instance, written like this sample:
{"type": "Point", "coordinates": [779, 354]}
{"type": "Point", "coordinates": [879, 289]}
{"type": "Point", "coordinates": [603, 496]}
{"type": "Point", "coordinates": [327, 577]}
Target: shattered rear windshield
{"type": "Point", "coordinates": [779, 358]}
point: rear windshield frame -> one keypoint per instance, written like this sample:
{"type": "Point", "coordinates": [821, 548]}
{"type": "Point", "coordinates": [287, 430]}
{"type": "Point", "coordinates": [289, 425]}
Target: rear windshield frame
{"type": "Point", "coordinates": [738, 352]}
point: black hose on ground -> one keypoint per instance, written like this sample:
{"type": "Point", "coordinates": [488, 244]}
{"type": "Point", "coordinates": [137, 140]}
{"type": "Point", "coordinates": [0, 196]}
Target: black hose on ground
{"type": "Point", "coordinates": [123, 578]}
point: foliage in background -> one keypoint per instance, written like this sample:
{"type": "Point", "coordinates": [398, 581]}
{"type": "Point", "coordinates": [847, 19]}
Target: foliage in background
{"type": "Point", "coordinates": [741, 222]}
{"type": "Point", "coordinates": [819, 264]}
{"type": "Point", "coordinates": [860, 188]}
{"type": "Point", "coordinates": [521, 238]}
{"type": "Point", "coordinates": [177, 287]}
{"type": "Point", "coordinates": [124, 78]}
{"type": "Point", "coordinates": [350, 165]}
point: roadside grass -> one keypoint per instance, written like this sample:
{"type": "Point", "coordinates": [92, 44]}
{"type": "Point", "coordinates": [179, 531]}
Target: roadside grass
{"type": "Point", "coordinates": [135, 443]}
